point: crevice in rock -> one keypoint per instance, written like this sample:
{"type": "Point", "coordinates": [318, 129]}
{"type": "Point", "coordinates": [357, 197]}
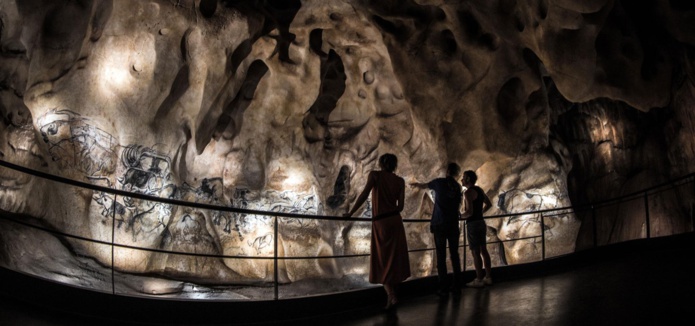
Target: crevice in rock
{"type": "Point", "coordinates": [177, 89]}
{"type": "Point", "coordinates": [316, 41]}
{"type": "Point", "coordinates": [275, 15]}
{"type": "Point", "coordinates": [509, 101]}
{"type": "Point", "coordinates": [340, 189]}
{"type": "Point", "coordinates": [102, 13]}
{"type": "Point", "coordinates": [207, 8]}
{"type": "Point", "coordinates": [518, 22]}
{"type": "Point", "coordinates": [332, 87]}
{"type": "Point", "coordinates": [543, 9]}
{"type": "Point", "coordinates": [238, 56]}
{"type": "Point", "coordinates": [473, 31]}
{"type": "Point", "coordinates": [231, 120]}
{"type": "Point", "coordinates": [448, 42]}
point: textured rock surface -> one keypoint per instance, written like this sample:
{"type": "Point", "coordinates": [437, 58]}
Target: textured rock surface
{"type": "Point", "coordinates": [285, 106]}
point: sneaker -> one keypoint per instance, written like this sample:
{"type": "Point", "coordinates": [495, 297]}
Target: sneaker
{"type": "Point", "coordinates": [476, 283]}
{"type": "Point", "coordinates": [487, 281]}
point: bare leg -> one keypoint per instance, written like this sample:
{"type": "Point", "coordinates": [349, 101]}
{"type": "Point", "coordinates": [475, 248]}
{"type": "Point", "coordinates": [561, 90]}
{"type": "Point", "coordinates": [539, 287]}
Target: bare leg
{"type": "Point", "coordinates": [389, 289]}
{"type": "Point", "coordinates": [392, 299]}
{"type": "Point", "coordinates": [486, 258]}
{"type": "Point", "coordinates": [478, 262]}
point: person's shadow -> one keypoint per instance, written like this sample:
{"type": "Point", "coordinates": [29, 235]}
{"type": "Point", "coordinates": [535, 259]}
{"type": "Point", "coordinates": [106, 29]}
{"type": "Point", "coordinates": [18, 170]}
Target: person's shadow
{"type": "Point", "coordinates": [481, 304]}
{"type": "Point", "coordinates": [440, 315]}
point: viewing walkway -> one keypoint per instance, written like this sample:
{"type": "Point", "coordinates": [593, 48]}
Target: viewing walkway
{"type": "Point", "coordinates": [640, 282]}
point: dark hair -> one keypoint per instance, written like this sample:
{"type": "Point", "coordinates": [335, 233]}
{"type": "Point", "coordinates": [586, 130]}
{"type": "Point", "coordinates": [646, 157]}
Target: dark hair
{"type": "Point", "coordinates": [453, 169]}
{"type": "Point", "coordinates": [388, 162]}
{"type": "Point", "coordinates": [471, 175]}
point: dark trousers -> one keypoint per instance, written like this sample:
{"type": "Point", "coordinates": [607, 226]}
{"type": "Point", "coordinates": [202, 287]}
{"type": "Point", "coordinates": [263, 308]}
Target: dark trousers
{"type": "Point", "coordinates": [442, 235]}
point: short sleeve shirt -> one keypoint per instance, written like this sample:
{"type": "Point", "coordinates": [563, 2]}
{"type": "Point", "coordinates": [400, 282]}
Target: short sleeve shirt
{"type": "Point", "coordinates": [447, 201]}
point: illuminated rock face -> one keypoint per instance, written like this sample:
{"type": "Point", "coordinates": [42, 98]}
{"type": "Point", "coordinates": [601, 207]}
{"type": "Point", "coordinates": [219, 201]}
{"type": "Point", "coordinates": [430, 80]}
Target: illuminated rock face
{"type": "Point", "coordinates": [285, 107]}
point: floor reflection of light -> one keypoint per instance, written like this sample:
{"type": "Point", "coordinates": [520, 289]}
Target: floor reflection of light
{"type": "Point", "coordinates": [199, 295]}
{"type": "Point", "coordinates": [160, 286]}
{"type": "Point", "coordinates": [540, 301]}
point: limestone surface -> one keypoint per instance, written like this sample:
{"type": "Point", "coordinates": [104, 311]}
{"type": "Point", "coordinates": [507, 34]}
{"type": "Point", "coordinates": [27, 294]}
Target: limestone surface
{"type": "Point", "coordinates": [285, 106]}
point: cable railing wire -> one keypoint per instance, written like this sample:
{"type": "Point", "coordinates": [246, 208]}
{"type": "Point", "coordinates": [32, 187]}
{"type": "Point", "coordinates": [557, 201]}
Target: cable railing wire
{"type": "Point", "coordinates": [210, 207]}
{"type": "Point", "coordinates": [232, 209]}
{"type": "Point", "coordinates": [544, 213]}
{"type": "Point", "coordinates": [52, 177]}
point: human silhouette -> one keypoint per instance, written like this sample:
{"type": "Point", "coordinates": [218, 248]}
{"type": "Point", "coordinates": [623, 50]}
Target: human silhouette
{"type": "Point", "coordinates": [477, 203]}
{"type": "Point", "coordinates": [445, 225]}
{"type": "Point", "coordinates": [389, 261]}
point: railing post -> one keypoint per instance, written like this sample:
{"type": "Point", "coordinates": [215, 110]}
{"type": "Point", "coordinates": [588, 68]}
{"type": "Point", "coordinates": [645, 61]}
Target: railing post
{"type": "Point", "coordinates": [113, 241]}
{"type": "Point", "coordinates": [593, 225]}
{"type": "Point", "coordinates": [465, 238]}
{"type": "Point", "coordinates": [275, 258]}
{"type": "Point", "coordinates": [646, 214]}
{"type": "Point", "coordinates": [542, 236]}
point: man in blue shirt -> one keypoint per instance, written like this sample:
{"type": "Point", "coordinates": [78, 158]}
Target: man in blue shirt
{"type": "Point", "coordinates": [445, 224]}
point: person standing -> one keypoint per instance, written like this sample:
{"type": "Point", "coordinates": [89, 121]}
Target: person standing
{"type": "Point", "coordinates": [477, 203]}
{"type": "Point", "coordinates": [389, 261]}
{"type": "Point", "coordinates": [445, 225]}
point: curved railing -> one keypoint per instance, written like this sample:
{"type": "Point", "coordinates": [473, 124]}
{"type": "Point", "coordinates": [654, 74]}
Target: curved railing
{"type": "Point", "coordinates": [590, 215]}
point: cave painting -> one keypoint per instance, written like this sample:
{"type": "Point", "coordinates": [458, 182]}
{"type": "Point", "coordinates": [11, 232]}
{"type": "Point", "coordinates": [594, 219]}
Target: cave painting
{"type": "Point", "coordinates": [284, 106]}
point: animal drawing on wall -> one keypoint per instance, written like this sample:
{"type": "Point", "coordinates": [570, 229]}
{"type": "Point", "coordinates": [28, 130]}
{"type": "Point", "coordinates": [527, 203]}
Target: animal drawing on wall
{"type": "Point", "coordinates": [296, 203]}
{"type": "Point", "coordinates": [240, 200]}
{"type": "Point", "coordinates": [262, 242]}
{"type": "Point", "coordinates": [74, 143]}
{"type": "Point", "coordinates": [210, 192]}
{"type": "Point", "coordinates": [146, 171]}
{"type": "Point", "coordinates": [79, 147]}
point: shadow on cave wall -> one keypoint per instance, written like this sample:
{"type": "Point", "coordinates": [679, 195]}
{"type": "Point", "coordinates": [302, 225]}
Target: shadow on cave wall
{"type": "Point", "coordinates": [618, 150]}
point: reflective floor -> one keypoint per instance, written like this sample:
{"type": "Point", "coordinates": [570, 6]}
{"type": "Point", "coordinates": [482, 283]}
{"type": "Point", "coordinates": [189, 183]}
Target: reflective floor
{"type": "Point", "coordinates": [636, 285]}
{"type": "Point", "coordinates": [645, 287]}
{"type": "Point", "coordinates": [630, 291]}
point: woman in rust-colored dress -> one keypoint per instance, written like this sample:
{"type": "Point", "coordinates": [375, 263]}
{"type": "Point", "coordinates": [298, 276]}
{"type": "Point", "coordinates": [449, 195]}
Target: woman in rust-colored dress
{"type": "Point", "coordinates": [389, 263]}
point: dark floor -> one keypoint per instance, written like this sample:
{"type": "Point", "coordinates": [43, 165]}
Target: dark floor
{"type": "Point", "coordinates": [647, 282]}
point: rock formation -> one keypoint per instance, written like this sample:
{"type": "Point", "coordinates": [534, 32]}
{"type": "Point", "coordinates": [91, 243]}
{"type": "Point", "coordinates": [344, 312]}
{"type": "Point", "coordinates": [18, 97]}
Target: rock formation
{"type": "Point", "coordinates": [284, 106]}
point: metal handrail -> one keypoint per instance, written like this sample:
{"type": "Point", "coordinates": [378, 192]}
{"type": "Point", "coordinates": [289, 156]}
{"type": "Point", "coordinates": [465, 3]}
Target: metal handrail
{"type": "Point", "coordinates": [543, 214]}
{"type": "Point", "coordinates": [81, 184]}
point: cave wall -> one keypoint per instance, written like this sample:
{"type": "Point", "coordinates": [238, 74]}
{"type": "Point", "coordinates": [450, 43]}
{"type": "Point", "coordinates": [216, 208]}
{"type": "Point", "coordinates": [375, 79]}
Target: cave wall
{"type": "Point", "coordinates": [285, 106]}
{"type": "Point", "coordinates": [618, 151]}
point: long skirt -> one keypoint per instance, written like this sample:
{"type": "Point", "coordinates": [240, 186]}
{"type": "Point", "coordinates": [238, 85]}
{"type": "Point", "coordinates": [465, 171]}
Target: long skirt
{"type": "Point", "coordinates": [389, 263]}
